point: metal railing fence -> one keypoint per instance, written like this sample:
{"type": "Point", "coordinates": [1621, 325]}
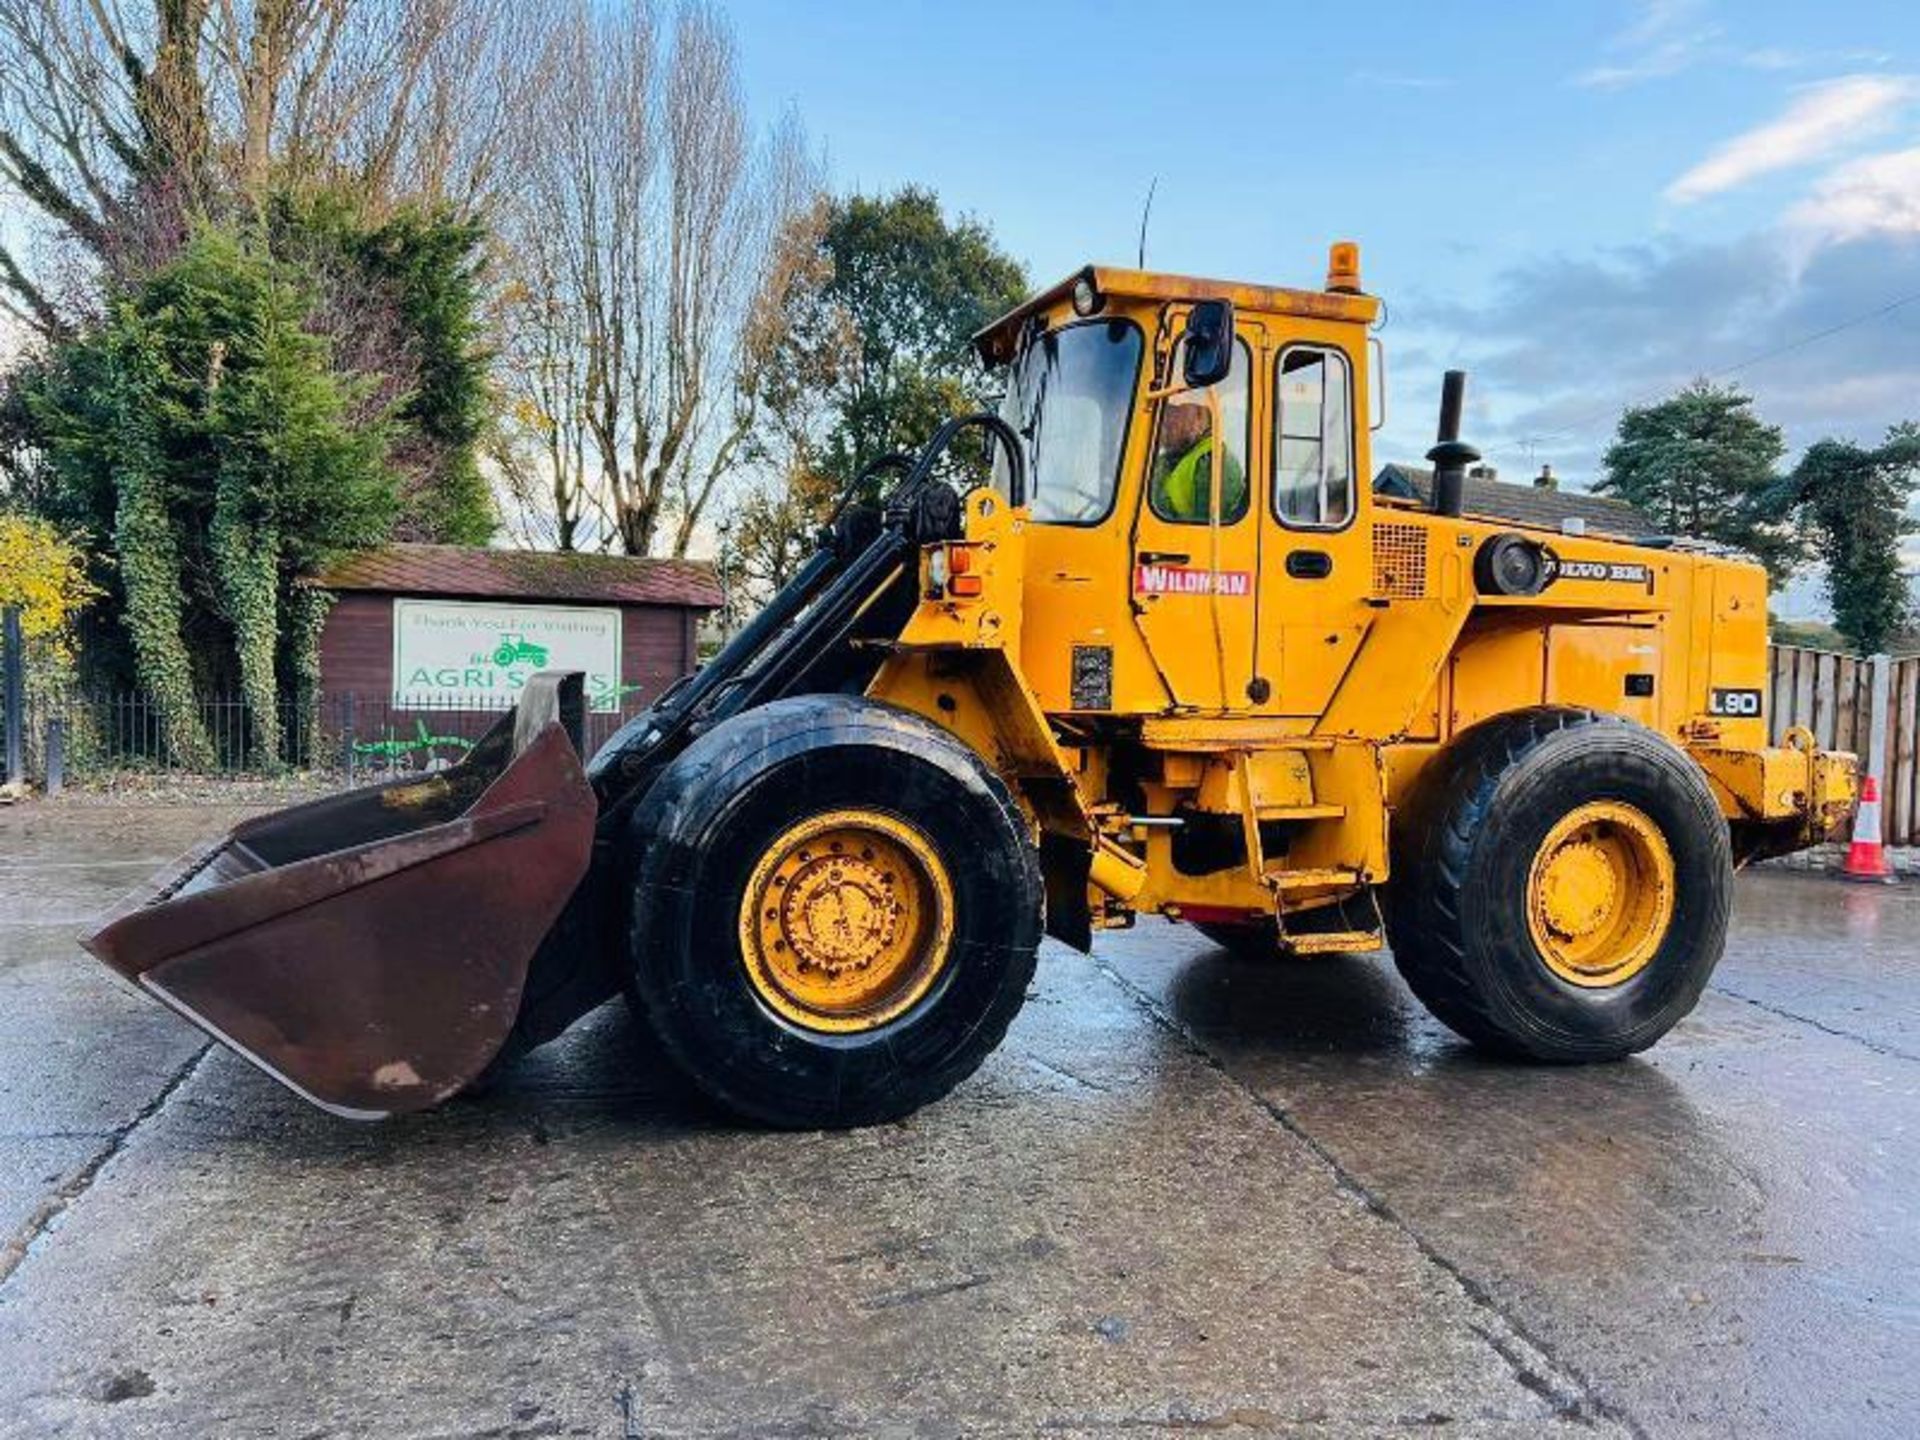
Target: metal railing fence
{"type": "Point", "coordinates": [349, 736]}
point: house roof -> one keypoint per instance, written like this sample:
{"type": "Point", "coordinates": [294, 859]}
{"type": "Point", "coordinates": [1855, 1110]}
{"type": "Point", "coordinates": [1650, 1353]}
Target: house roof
{"type": "Point", "coordinates": [1521, 504]}
{"type": "Point", "coordinates": [482, 573]}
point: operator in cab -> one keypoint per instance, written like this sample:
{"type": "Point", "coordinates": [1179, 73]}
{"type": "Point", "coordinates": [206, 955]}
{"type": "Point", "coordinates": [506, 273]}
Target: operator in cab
{"type": "Point", "coordinates": [1182, 472]}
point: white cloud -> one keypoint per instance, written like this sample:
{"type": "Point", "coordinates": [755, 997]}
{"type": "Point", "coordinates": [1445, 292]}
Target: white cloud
{"type": "Point", "coordinates": [1662, 40]}
{"type": "Point", "coordinates": [1823, 119]}
{"type": "Point", "coordinates": [1883, 392]}
{"type": "Point", "coordinates": [1775, 57]}
{"type": "Point", "coordinates": [1670, 37]}
{"type": "Point", "coordinates": [1658, 20]}
{"type": "Point", "coordinates": [1874, 195]}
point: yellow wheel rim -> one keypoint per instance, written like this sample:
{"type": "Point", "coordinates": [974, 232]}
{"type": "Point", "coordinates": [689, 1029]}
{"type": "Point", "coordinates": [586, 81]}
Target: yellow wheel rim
{"type": "Point", "coordinates": [1600, 894]}
{"type": "Point", "coordinates": [847, 921]}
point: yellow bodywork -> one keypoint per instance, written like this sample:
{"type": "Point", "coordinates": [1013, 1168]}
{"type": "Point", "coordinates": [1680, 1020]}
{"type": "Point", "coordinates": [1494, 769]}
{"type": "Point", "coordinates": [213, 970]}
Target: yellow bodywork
{"type": "Point", "coordinates": [1600, 894]}
{"type": "Point", "coordinates": [1281, 686]}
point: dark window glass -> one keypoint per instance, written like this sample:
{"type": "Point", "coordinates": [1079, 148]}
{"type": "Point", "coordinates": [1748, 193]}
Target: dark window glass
{"type": "Point", "coordinates": [1070, 397]}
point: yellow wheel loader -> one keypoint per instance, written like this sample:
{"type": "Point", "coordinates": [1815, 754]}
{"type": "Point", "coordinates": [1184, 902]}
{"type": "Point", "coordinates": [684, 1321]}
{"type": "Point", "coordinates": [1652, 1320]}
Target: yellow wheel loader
{"type": "Point", "coordinates": [1176, 659]}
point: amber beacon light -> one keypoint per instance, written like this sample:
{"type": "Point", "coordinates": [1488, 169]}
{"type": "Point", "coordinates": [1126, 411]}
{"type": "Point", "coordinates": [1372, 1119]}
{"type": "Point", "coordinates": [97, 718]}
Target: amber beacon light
{"type": "Point", "coordinates": [1343, 268]}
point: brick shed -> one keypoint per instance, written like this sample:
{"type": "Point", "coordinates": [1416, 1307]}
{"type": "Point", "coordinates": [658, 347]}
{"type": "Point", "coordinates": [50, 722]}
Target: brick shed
{"type": "Point", "coordinates": [452, 627]}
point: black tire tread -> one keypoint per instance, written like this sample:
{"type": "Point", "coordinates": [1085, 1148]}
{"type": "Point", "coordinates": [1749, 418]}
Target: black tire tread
{"type": "Point", "coordinates": [1431, 954]}
{"type": "Point", "coordinates": [1432, 843]}
{"type": "Point", "coordinates": [913, 1088]}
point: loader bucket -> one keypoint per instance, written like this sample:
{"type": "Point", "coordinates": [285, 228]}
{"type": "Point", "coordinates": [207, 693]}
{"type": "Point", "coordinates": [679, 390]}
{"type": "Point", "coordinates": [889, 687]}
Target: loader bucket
{"type": "Point", "coordinates": [369, 950]}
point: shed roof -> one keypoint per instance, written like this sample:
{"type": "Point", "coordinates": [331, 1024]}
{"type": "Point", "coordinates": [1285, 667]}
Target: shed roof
{"type": "Point", "coordinates": [483, 573]}
{"type": "Point", "coordinates": [1522, 504]}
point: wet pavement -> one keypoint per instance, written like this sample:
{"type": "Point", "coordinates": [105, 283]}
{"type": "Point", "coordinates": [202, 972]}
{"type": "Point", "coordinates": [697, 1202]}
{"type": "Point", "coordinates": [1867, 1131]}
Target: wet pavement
{"type": "Point", "coordinates": [1189, 1193]}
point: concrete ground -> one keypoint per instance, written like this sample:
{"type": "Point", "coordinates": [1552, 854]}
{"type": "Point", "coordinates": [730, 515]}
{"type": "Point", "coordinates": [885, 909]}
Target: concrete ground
{"type": "Point", "coordinates": [1188, 1194]}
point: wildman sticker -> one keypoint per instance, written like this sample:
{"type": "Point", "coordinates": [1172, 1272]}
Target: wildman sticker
{"type": "Point", "coordinates": [1180, 580]}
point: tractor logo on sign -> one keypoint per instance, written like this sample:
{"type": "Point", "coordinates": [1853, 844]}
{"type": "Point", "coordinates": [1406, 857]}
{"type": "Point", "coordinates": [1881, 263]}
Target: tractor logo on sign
{"type": "Point", "coordinates": [1180, 580]}
{"type": "Point", "coordinates": [517, 650]}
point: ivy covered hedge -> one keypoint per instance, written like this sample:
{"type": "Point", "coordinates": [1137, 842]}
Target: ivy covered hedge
{"type": "Point", "coordinates": [203, 431]}
{"type": "Point", "coordinates": [272, 394]}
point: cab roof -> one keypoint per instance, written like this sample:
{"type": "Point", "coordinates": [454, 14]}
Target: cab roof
{"type": "Point", "coordinates": [995, 342]}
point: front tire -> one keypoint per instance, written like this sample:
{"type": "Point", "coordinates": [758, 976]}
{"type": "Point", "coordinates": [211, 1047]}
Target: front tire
{"type": "Point", "coordinates": [835, 914]}
{"type": "Point", "coordinates": [1561, 888]}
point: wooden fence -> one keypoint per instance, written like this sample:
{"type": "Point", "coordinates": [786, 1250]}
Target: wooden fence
{"type": "Point", "coordinates": [1832, 695]}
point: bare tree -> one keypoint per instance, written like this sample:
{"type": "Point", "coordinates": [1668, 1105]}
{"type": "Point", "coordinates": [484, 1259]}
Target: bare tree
{"type": "Point", "coordinates": [804, 354]}
{"type": "Point", "coordinates": [406, 97]}
{"type": "Point", "coordinates": [120, 119]}
{"type": "Point", "coordinates": [644, 240]}
{"type": "Point", "coordinates": [93, 107]}
{"type": "Point", "coordinates": [540, 449]}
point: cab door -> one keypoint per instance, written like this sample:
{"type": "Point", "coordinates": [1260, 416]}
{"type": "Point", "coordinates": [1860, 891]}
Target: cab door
{"type": "Point", "coordinates": [1194, 571]}
{"type": "Point", "coordinates": [1315, 548]}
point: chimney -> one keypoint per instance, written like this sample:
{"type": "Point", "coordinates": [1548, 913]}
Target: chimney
{"type": "Point", "coordinates": [1546, 479]}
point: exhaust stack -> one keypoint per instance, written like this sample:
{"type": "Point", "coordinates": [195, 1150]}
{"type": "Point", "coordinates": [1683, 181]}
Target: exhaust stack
{"type": "Point", "coordinates": [1451, 456]}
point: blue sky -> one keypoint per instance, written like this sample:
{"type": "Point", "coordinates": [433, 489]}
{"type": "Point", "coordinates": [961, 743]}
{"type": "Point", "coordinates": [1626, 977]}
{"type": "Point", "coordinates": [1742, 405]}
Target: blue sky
{"type": "Point", "coordinates": [1583, 203]}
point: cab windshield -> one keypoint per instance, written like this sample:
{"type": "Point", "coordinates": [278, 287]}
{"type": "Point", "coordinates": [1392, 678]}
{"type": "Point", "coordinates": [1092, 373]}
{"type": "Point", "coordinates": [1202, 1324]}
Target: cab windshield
{"type": "Point", "coordinates": [1069, 396]}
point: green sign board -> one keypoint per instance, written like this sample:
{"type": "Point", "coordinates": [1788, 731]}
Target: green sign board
{"type": "Point", "coordinates": [453, 653]}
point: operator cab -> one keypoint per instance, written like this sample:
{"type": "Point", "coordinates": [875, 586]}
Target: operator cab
{"type": "Point", "coordinates": [1194, 465]}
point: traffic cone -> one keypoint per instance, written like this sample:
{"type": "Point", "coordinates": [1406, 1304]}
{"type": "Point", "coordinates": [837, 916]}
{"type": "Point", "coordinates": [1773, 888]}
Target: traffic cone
{"type": "Point", "coordinates": [1866, 856]}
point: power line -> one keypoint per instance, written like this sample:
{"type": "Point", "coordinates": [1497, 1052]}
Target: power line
{"type": "Point", "coordinates": [1752, 360]}
{"type": "Point", "coordinates": [1806, 340]}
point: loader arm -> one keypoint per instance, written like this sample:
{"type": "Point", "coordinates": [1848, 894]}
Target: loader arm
{"type": "Point", "coordinates": [860, 583]}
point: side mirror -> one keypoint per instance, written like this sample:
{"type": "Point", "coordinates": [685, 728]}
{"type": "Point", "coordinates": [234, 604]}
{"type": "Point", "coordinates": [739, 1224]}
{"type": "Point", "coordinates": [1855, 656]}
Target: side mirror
{"type": "Point", "coordinates": [1209, 344]}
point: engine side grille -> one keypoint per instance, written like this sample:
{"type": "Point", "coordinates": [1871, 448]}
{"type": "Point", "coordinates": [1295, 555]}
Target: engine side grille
{"type": "Point", "coordinates": [1400, 561]}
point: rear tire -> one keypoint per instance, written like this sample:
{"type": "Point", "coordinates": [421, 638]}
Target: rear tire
{"type": "Point", "coordinates": [894, 920]}
{"type": "Point", "coordinates": [1561, 886]}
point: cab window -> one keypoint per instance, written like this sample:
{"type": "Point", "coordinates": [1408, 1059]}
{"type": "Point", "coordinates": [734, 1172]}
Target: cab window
{"type": "Point", "coordinates": [1069, 397]}
{"type": "Point", "coordinates": [1312, 438]}
{"type": "Point", "coordinates": [1180, 478]}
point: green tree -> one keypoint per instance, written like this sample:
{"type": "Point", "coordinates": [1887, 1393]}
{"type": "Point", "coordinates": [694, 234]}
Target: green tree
{"type": "Point", "coordinates": [204, 434]}
{"type": "Point", "coordinates": [914, 286]}
{"type": "Point", "coordinates": [1852, 502]}
{"type": "Point", "coordinates": [432, 261]}
{"type": "Point", "coordinates": [329, 346]}
{"type": "Point", "coordinates": [400, 296]}
{"type": "Point", "coordinates": [862, 338]}
{"type": "Point", "coordinates": [1705, 466]}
